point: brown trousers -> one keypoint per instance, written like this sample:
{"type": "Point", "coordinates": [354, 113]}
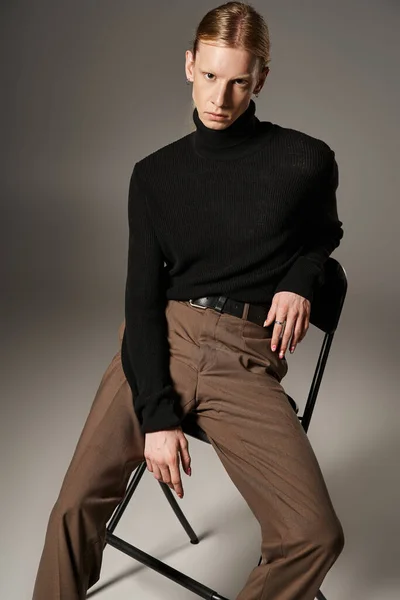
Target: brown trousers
{"type": "Point", "coordinates": [224, 369]}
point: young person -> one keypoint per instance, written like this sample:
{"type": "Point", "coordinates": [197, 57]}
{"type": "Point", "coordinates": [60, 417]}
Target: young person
{"type": "Point", "coordinates": [229, 229]}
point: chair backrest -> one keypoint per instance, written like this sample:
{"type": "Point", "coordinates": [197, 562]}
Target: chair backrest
{"type": "Point", "coordinates": [326, 309]}
{"type": "Point", "coordinates": [329, 296]}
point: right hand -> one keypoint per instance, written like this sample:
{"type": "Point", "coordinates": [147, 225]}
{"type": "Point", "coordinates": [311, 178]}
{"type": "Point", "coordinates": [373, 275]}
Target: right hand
{"type": "Point", "coordinates": [162, 450]}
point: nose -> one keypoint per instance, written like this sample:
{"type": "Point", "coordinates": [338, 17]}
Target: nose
{"type": "Point", "coordinates": [221, 98]}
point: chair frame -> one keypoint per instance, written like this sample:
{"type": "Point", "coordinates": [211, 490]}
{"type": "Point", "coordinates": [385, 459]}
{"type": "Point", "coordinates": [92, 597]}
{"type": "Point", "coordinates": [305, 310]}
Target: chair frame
{"type": "Point", "coordinates": [326, 309]}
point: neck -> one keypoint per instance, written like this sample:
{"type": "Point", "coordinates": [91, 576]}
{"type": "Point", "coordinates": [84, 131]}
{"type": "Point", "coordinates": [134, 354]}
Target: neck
{"type": "Point", "coordinates": [235, 140]}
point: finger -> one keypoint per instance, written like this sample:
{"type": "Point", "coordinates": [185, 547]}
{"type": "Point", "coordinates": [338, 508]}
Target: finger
{"type": "Point", "coordinates": [166, 477]}
{"type": "Point", "coordinates": [185, 456]}
{"type": "Point", "coordinates": [271, 314]}
{"type": "Point", "coordinates": [149, 465]}
{"type": "Point", "coordinates": [296, 334]}
{"type": "Point", "coordinates": [165, 474]}
{"type": "Point", "coordinates": [176, 478]}
{"type": "Point", "coordinates": [290, 322]}
{"type": "Point", "coordinates": [277, 331]}
{"type": "Point", "coordinates": [305, 329]}
{"type": "Point", "coordinates": [156, 472]}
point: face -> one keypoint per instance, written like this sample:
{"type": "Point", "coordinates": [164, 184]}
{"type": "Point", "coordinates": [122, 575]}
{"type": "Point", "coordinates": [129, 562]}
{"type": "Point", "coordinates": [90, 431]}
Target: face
{"type": "Point", "coordinates": [224, 80]}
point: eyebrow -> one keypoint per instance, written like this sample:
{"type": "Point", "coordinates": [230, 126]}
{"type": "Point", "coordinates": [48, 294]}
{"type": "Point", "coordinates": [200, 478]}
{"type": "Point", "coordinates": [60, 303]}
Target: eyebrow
{"type": "Point", "coordinates": [236, 77]}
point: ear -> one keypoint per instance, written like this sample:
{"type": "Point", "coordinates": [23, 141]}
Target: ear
{"type": "Point", "coordinates": [189, 64]}
{"type": "Point", "coordinates": [261, 80]}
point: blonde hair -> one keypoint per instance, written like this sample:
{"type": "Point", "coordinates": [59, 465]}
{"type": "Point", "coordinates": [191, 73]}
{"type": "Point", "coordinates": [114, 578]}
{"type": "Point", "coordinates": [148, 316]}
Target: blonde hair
{"type": "Point", "coordinates": [235, 25]}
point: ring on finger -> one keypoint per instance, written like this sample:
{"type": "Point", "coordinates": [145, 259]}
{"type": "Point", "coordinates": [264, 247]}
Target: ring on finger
{"type": "Point", "coordinates": [283, 327]}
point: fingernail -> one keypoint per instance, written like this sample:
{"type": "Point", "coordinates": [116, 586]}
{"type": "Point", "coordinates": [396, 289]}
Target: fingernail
{"type": "Point", "coordinates": [280, 354]}
{"type": "Point", "coordinates": [292, 349]}
{"type": "Point", "coordinates": [190, 471]}
{"type": "Point", "coordinates": [273, 348]}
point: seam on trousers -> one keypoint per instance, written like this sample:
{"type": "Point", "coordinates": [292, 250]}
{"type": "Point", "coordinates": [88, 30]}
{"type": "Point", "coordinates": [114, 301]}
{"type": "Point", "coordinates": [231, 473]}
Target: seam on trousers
{"type": "Point", "coordinates": [266, 580]}
{"type": "Point", "coordinates": [246, 451]}
{"type": "Point", "coordinates": [284, 554]}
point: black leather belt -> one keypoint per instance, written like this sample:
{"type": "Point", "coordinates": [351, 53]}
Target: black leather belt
{"type": "Point", "coordinates": [257, 313]}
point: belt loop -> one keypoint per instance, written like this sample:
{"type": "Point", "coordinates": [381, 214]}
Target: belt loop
{"type": "Point", "coordinates": [246, 310]}
{"type": "Point", "coordinates": [220, 303]}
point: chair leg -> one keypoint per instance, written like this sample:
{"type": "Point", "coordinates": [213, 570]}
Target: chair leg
{"type": "Point", "coordinates": [119, 511]}
{"type": "Point", "coordinates": [191, 584]}
{"type": "Point", "coordinates": [150, 561]}
{"type": "Point", "coordinates": [177, 510]}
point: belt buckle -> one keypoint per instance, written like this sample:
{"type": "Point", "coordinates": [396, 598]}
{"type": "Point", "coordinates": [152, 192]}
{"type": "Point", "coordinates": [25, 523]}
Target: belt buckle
{"type": "Point", "coordinates": [197, 305]}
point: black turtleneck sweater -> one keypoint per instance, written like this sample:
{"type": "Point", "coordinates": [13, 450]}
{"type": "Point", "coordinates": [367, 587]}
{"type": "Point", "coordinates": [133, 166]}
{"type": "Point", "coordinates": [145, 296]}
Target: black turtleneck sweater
{"type": "Point", "coordinates": [245, 212]}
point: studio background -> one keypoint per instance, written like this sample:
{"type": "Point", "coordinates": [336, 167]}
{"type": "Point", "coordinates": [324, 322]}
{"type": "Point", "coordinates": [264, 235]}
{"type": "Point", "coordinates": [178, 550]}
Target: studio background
{"type": "Point", "coordinates": [89, 88]}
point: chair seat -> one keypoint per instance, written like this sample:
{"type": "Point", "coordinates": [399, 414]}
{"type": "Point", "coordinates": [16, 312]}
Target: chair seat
{"type": "Point", "coordinates": [293, 404]}
{"type": "Point", "coordinates": [191, 427]}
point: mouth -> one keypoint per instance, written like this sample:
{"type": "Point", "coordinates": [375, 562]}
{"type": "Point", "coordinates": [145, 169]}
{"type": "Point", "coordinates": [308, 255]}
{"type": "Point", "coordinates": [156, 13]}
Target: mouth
{"type": "Point", "coordinates": [217, 114]}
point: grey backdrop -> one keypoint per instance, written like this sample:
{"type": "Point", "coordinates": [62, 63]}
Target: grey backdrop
{"type": "Point", "coordinates": [90, 87]}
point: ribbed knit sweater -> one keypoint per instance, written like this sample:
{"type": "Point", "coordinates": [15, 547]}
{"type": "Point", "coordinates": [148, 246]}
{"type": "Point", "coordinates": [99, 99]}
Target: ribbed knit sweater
{"type": "Point", "coordinates": [245, 212]}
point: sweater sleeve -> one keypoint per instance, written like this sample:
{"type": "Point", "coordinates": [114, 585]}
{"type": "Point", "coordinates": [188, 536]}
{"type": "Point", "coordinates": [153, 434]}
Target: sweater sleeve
{"type": "Point", "coordinates": [156, 402]}
{"type": "Point", "coordinates": [323, 233]}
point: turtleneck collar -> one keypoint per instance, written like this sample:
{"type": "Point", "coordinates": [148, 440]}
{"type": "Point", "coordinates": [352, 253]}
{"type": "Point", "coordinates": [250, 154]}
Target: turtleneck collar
{"type": "Point", "coordinates": [234, 141]}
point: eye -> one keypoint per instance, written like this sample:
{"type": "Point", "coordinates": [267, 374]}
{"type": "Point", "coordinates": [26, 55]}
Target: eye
{"type": "Point", "coordinates": [243, 82]}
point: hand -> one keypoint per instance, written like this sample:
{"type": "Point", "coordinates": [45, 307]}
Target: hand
{"type": "Point", "coordinates": [161, 451]}
{"type": "Point", "coordinates": [295, 310]}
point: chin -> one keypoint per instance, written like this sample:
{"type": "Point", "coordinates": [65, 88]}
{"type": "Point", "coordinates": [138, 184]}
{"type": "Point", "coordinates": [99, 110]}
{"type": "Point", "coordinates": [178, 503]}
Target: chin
{"type": "Point", "coordinates": [216, 124]}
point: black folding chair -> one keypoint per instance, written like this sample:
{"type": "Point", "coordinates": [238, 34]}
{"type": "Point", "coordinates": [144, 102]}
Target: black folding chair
{"type": "Point", "coordinates": [325, 314]}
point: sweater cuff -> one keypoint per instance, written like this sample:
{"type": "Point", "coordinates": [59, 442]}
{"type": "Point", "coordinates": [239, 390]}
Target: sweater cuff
{"type": "Point", "coordinates": [300, 279]}
{"type": "Point", "coordinates": [162, 411]}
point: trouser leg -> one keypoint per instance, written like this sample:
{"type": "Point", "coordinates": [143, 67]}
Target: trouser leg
{"type": "Point", "coordinates": [109, 448]}
{"type": "Point", "coordinates": [242, 406]}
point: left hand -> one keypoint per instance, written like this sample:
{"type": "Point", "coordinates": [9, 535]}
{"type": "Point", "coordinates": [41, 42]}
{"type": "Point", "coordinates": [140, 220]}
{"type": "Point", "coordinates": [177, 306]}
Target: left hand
{"type": "Point", "coordinates": [295, 310]}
